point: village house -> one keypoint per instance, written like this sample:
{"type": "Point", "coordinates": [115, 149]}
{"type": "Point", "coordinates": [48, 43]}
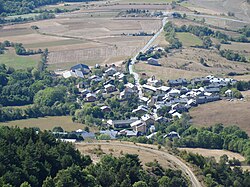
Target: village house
{"type": "Point", "coordinates": [109, 88]}
{"type": "Point", "coordinates": [148, 119]}
{"type": "Point", "coordinates": [132, 86]}
{"type": "Point", "coordinates": [111, 133]}
{"type": "Point", "coordinates": [84, 134]}
{"type": "Point", "coordinates": [84, 69]}
{"type": "Point", "coordinates": [153, 61]}
{"type": "Point", "coordinates": [174, 93]}
{"type": "Point", "coordinates": [84, 92]}
{"type": "Point", "coordinates": [139, 126]}
{"type": "Point", "coordinates": [163, 89]}
{"type": "Point", "coordinates": [105, 109]}
{"type": "Point", "coordinates": [141, 110]}
{"type": "Point", "coordinates": [127, 93]}
{"type": "Point", "coordinates": [148, 88]}
{"type": "Point", "coordinates": [128, 133]}
{"type": "Point", "coordinates": [90, 97]}
{"type": "Point", "coordinates": [177, 82]}
{"type": "Point", "coordinates": [121, 123]}
{"type": "Point", "coordinates": [206, 99]}
{"type": "Point", "coordinates": [200, 80]}
{"type": "Point", "coordinates": [111, 71]}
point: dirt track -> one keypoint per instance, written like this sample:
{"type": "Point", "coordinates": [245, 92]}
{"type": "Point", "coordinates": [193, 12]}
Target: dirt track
{"type": "Point", "coordinates": [195, 182]}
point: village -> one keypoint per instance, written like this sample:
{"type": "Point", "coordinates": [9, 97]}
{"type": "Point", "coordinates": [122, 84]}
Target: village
{"type": "Point", "coordinates": [160, 102]}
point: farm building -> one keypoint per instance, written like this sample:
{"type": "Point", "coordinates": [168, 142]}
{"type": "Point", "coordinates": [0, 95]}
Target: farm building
{"type": "Point", "coordinates": [153, 61]}
{"type": "Point", "coordinates": [80, 69]}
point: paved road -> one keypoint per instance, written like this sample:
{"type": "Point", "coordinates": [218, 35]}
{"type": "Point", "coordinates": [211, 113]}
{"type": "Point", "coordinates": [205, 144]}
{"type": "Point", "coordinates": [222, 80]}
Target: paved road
{"type": "Point", "coordinates": [144, 49]}
{"type": "Point", "coordinates": [195, 182]}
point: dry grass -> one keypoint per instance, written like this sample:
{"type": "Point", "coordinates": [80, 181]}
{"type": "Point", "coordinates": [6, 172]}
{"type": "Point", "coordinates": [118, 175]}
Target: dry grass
{"type": "Point", "coordinates": [214, 153]}
{"type": "Point", "coordinates": [239, 7]}
{"type": "Point", "coordinates": [186, 63]}
{"type": "Point", "coordinates": [165, 73]}
{"type": "Point", "coordinates": [118, 151]}
{"type": "Point", "coordinates": [235, 112]}
{"type": "Point", "coordinates": [48, 123]}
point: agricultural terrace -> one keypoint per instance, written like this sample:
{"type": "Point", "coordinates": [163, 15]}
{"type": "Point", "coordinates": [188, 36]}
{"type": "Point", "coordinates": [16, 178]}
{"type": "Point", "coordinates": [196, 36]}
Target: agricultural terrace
{"type": "Point", "coordinates": [92, 35]}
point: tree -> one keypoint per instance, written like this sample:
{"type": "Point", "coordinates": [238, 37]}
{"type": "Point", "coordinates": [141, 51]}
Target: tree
{"type": "Point", "coordinates": [140, 184]}
{"type": "Point", "coordinates": [48, 182]}
{"type": "Point", "coordinates": [49, 96]}
{"type": "Point", "coordinates": [25, 184]}
{"type": "Point", "coordinates": [207, 42]}
{"type": "Point", "coordinates": [164, 181]}
{"type": "Point", "coordinates": [3, 79]}
{"type": "Point", "coordinates": [57, 129]}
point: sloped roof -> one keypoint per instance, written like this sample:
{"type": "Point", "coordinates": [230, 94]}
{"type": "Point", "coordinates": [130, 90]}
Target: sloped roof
{"type": "Point", "coordinates": [79, 66]}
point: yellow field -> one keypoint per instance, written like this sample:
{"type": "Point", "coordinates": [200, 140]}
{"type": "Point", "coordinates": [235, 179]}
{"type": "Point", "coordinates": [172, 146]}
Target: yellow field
{"type": "Point", "coordinates": [226, 112]}
{"type": "Point", "coordinates": [48, 123]}
{"type": "Point", "coordinates": [216, 153]}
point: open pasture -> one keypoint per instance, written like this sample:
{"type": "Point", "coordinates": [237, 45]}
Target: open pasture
{"type": "Point", "coordinates": [48, 123]}
{"type": "Point", "coordinates": [234, 112]}
{"type": "Point", "coordinates": [10, 59]}
{"type": "Point", "coordinates": [185, 63]}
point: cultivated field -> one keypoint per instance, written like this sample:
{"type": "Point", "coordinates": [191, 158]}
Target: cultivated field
{"type": "Point", "coordinates": [216, 153]}
{"type": "Point", "coordinates": [235, 112]}
{"type": "Point", "coordinates": [91, 35]}
{"type": "Point", "coordinates": [48, 123]}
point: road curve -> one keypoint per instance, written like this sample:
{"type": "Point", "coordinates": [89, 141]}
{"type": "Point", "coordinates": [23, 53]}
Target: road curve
{"type": "Point", "coordinates": [195, 182]}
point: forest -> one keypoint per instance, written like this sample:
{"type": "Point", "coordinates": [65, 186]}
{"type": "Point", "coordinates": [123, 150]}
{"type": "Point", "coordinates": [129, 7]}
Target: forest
{"type": "Point", "coordinates": [223, 173]}
{"type": "Point", "coordinates": [17, 7]}
{"type": "Point", "coordinates": [31, 158]}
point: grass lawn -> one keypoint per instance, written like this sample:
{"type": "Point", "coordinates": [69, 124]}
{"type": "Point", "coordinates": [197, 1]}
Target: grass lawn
{"type": "Point", "coordinates": [188, 39]}
{"type": "Point", "coordinates": [48, 123]}
{"type": "Point", "coordinates": [18, 62]}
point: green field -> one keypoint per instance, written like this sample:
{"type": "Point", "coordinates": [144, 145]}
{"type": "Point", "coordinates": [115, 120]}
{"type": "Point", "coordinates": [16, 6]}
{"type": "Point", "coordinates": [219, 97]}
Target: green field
{"type": "Point", "coordinates": [188, 39]}
{"type": "Point", "coordinates": [18, 62]}
{"type": "Point", "coordinates": [48, 123]}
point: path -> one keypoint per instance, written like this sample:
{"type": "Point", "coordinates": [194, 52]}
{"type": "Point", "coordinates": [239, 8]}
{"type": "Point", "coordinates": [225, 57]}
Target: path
{"type": "Point", "coordinates": [195, 182]}
{"type": "Point", "coordinates": [143, 50]}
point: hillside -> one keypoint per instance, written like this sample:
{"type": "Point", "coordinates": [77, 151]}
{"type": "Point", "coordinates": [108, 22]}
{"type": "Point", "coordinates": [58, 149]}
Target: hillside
{"type": "Point", "coordinates": [24, 7]}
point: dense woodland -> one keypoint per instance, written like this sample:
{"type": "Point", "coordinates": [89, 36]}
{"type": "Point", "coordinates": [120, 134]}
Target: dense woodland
{"type": "Point", "coordinates": [28, 158]}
